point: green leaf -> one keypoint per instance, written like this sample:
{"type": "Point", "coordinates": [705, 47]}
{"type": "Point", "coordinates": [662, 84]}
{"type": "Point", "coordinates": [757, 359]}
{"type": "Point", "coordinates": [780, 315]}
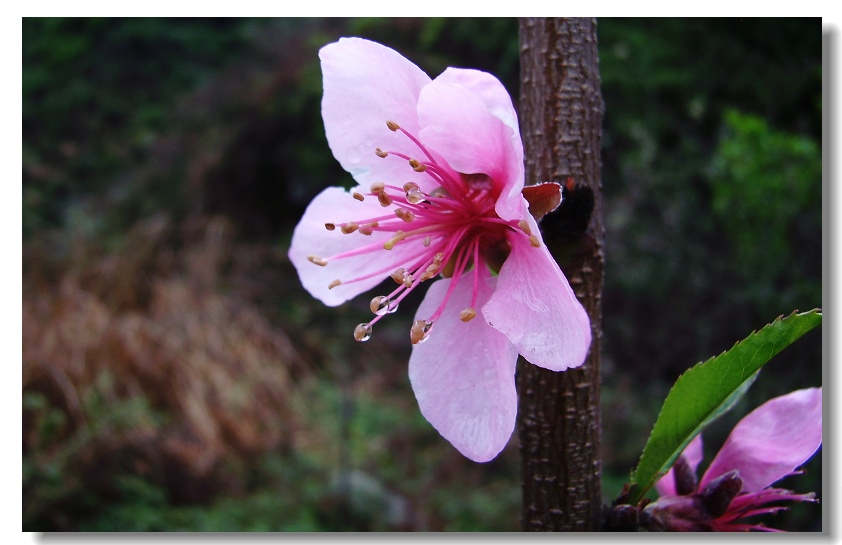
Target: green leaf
{"type": "Point", "coordinates": [708, 390]}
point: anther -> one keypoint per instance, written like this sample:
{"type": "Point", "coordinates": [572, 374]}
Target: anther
{"type": "Point", "coordinates": [334, 284]}
{"type": "Point", "coordinates": [405, 215]}
{"type": "Point", "coordinates": [377, 187]}
{"type": "Point", "coordinates": [427, 240]}
{"type": "Point", "coordinates": [467, 314]}
{"type": "Point", "coordinates": [533, 240]}
{"type": "Point", "coordinates": [362, 332]}
{"type": "Point", "coordinates": [384, 198]}
{"type": "Point", "coordinates": [349, 227]}
{"type": "Point", "coordinates": [380, 153]}
{"type": "Point", "coordinates": [416, 166]}
{"type": "Point", "coordinates": [330, 226]}
{"type": "Point", "coordinates": [392, 126]}
{"type": "Point", "coordinates": [358, 196]}
{"type": "Point", "coordinates": [524, 226]}
{"type": "Point", "coordinates": [366, 230]}
{"type": "Point", "coordinates": [407, 280]}
{"type": "Point", "coordinates": [420, 331]}
{"type": "Point", "coordinates": [398, 275]}
{"type": "Point", "coordinates": [316, 260]}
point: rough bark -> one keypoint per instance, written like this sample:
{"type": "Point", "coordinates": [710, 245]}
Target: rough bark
{"type": "Point", "coordinates": [561, 120]}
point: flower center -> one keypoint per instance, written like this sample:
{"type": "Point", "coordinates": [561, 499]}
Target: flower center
{"type": "Point", "coordinates": [454, 229]}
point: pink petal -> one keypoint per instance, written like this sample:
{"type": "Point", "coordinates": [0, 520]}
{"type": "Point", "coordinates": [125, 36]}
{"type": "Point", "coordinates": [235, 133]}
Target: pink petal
{"type": "Point", "coordinates": [365, 85]}
{"type": "Point", "coordinates": [457, 124]}
{"type": "Point", "coordinates": [537, 310]}
{"type": "Point", "coordinates": [489, 89]}
{"type": "Point", "coordinates": [336, 205]}
{"type": "Point", "coordinates": [772, 441]}
{"type": "Point", "coordinates": [693, 453]}
{"type": "Point", "coordinates": [497, 101]}
{"type": "Point", "coordinates": [463, 374]}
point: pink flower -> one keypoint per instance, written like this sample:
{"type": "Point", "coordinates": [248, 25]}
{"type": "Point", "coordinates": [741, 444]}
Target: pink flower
{"type": "Point", "coordinates": [440, 170]}
{"type": "Point", "coordinates": [764, 447]}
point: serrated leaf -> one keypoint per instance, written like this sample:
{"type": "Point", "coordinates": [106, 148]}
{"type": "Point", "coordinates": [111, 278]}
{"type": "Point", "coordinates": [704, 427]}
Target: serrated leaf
{"type": "Point", "coordinates": [709, 389]}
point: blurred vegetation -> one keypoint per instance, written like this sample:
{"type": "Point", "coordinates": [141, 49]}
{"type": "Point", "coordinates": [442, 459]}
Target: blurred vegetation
{"type": "Point", "coordinates": [177, 377]}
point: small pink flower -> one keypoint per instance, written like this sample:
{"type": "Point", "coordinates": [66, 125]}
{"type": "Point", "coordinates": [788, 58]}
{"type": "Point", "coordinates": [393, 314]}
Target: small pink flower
{"type": "Point", "coordinates": [440, 170]}
{"type": "Point", "coordinates": [770, 443]}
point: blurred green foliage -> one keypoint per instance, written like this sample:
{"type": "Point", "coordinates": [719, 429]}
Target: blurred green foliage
{"type": "Point", "coordinates": [712, 186]}
{"type": "Point", "coordinates": [766, 192]}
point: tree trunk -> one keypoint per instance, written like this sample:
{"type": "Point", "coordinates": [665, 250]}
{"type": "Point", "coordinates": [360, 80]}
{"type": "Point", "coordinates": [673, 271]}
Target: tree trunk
{"type": "Point", "coordinates": [561, 121]}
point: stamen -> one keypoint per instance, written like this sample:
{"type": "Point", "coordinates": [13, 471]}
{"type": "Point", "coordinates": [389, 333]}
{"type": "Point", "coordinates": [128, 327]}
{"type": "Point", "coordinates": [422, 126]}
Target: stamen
{"type": "Point", "coordinates": [330, 226]}
{"type": "Point", "coordinates": [377, 187]}
{"type": "Point", "coordinates": [362, 332]}
{"type": "Point", "coordinates": [533, 240]}
{"type": "Point", "coordinates": [467, 314]}
{"type": "Point", "coordinates": [392, 126]}
{"type": "Point", "coordinates": [349, 227]}
{"type": "Point", "coordinates": [366, 230]}
{"type": "Point", "coordinates": [316, 260]}
{"type": "Point", "coordinates": [334, 284]}
{"type": "Point", "coordinates": [398, 275]}
{"type": "Point", "coordinates": [384, 198]}
{"type": "Point", "coordinates": [358, 196]}
{"type": "Point", "coordinates": [405, 215]}
{"type": "Point", "coordinates": [416, 166]}
{"type": "Point", "coordinates": [524, 226]}
{"type": "Point", "coordinates": [380, 153]}
{"type": "Point", "coordinates": [420, 331]}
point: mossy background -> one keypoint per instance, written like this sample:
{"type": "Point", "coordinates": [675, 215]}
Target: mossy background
{"type": "Point", "coordinates": [177, 377]}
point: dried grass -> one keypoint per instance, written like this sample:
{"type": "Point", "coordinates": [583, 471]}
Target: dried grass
{"type": "Point", "coordinates": [142, 324]}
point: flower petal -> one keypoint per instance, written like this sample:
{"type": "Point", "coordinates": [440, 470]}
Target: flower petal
{"type": "Point", "coordinates": [693, 453]}
{"type": "Point", "coordinates": [335, 205]}
{"type": "Point", "coordinates": [537, 310]}
{"type": "Point", "coordinates": [489, 89]}
{"type": "Point", "coordinates": [457, 124]}
{"type": "Point", "coordinates": [771, 441]}
{"type": "Point", "coordinates": [463, 374]}
{"type": "Point", "coordinates": [365, 85]}
{"type": "Point", "coordinates": [497, 101]}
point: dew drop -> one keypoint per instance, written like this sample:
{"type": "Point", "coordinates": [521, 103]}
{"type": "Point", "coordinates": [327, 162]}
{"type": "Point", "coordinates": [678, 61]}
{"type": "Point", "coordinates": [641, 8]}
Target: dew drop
{"type": "Point", "coordinates": [420, 331]}
{"type": "Point", "coordinates": [381, 305]}
{"type": "Point", "coordinates": [362, 333]}
{"type": "Point", "coordinates": [414, 195]}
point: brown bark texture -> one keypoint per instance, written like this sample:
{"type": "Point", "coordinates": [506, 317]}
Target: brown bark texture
{"type": "Point", "coordinates": [561, 112]}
